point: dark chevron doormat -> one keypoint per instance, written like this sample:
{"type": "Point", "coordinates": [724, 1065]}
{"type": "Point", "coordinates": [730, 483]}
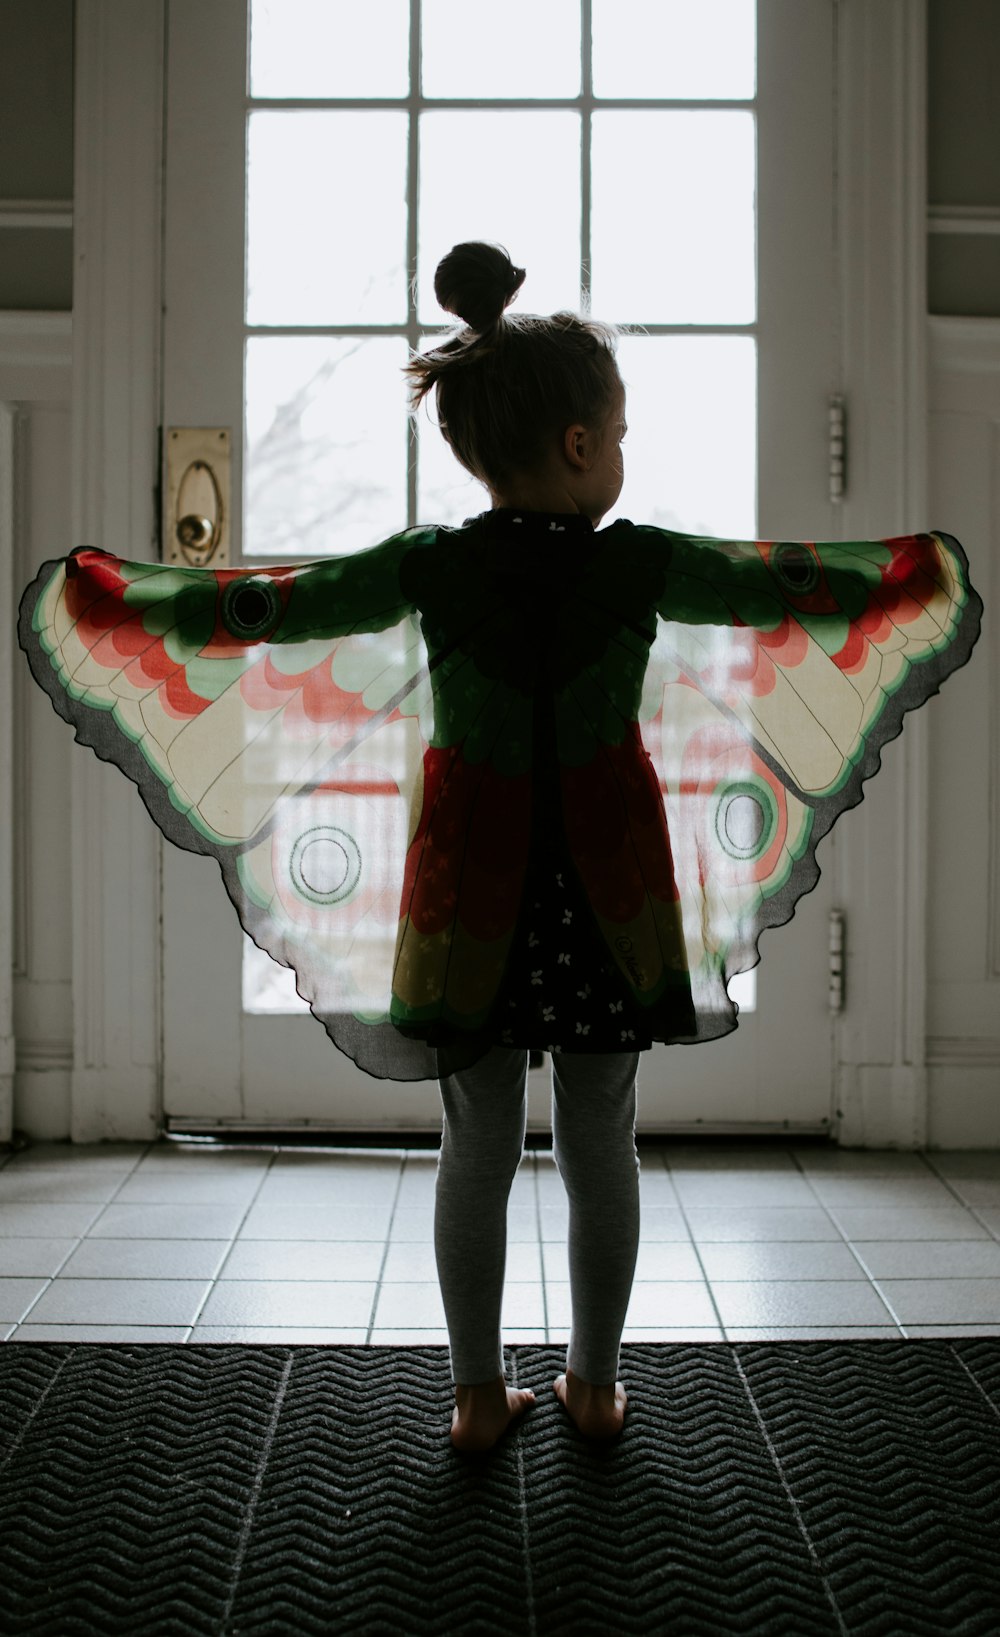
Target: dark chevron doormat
{"type": "Point", "coordinates": [772, 1487]}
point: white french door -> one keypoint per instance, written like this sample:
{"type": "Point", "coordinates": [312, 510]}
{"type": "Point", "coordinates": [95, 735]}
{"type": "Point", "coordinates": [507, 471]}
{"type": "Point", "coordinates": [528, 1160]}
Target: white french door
{"type": "Point", "coordinates": [728, 378]}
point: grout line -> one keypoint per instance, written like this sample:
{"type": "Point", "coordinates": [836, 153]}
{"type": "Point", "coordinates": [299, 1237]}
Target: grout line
{"type": "Point", "coordinates": [217, 1275]}
{"type": "Point", "coordinates": [385, 1252]}
{"type": "Point", "coordinates": [971, 1209]}
{"type": "Point", "coordinates": [849, 1243]}
{"type": "Point", "coordinates": [796, 1512]}
{"type": "Point", "coordinates": [541, 1254]}
{"type": "Point", "coordinates": [94, 1219]}
{"type": "Point", "coordinates": [694, 1243]}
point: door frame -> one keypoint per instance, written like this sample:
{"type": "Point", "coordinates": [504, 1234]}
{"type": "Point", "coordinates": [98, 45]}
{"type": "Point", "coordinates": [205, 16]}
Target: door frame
{"type": "Point", "coordinates": [880, 1053]}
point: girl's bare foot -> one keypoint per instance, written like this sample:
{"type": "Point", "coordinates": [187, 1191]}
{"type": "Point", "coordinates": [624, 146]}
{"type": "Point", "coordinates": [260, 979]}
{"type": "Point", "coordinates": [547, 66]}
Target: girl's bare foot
{"type": "Point", "coordinates": [484, 1411]}
{"type": "Point", "coordinates": [598, 1410]}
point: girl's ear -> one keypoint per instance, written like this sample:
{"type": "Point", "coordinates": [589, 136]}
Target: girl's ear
{"type": "Point", "coordinates": [576, 447]}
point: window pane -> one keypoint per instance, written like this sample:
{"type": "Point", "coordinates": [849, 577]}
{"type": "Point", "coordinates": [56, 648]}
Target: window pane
{"type": "Point", "coordinates": [674, 49]}
{"type": "Point", "coordinates": [529, 50]}
{"type": "Point", "coordinates": [326, 218]}
{"type": "Point", "coordinates": [477, 174]}
{"type": "Point", "coordinates": [691, 449]}
{"type": "Point", "coordinates": [326, 443]}
{"type": "Point", "coordinates": [329, 48]}
{"type": "Point", "coordinates": [673, 217]}
{"type": "Point", "coordinates": [445, 491]}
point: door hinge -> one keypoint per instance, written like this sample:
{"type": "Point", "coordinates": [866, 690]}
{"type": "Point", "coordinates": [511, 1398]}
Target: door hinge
{"type": "Point", "coordinates": [837, 448]}
{"type": "Point", "coordinates": [836, 960]}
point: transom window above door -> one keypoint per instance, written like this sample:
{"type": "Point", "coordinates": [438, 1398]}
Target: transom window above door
{"type": "Point", "coordinates": [609, 145]}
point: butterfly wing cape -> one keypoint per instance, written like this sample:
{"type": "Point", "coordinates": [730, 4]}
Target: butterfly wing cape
{"type": "Point", "coordinates": [366, 744]}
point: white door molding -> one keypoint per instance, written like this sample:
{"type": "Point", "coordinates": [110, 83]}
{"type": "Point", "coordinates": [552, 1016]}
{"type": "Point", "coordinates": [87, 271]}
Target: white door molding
{"type": "Point", "coordinates": [116, 345]}
{"type": "Point", "coordinates": [882, 854]}
{"type": "Point", "coordinates": [8, 421]}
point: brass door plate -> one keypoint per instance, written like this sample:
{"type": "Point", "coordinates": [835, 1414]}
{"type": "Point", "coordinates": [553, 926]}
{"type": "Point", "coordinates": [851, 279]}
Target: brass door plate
{"type": "Point", "coordinates": [196, 498]}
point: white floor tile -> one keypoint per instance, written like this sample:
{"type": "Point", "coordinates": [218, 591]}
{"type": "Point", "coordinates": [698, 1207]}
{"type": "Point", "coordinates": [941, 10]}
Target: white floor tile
{"type": "Point", "coordinates": [555, 1261]}
{"type": "Point", "coordinates": [33, 1185]}
{"type": "Point", "coordinates": [747, 1223]}
{"type": "Point", "coordinates": [671, 1305]}
{"type": "Point", "coordinates": [878, 1162]}
{"type": "Point", "coordinates": [316, 1222]}
{"type": "Point", "coordinates": [946, 1223]}
{"type": "Point", "coordinates": [885, 1192]}
{"type": "Point", "coordinates": [180, 1185]}
{"type": "Point", "coordinates": [415, 1303]}
{"type": "Point", "coordinates": [416, 1260]}
{"type": "Point", "coordinates": [411, 1224]}
{"type": "Point", "coordinates": [793, 1302]}
{"type": "Point", "coordinates": [523, 1221]}
{"type": "Point", "coordinates": [418, 1181]}
{"type": "Point", "coordinates": [167, 1222]}
{"type": "Point", "coordinates": [40, 1258]}
{"type": "Point", "coordinates": [965, 1162]}
{"type": "Point", "coordinates": [662, 1222]}
{"type": "Point", "coordinates": [976, 1192]}
{"type": "Point", "coordinates": [17, 1296]}
{"type": "Point", "coordinates": [523, 1305]}
{"type": "Point", "coordinates": [199, 1159]}
{"type": "Point", "coordinates": [666, 1259]}
{"type": "Point", "coordinates": [25, 1221]}
{"type": "Point", "coordinates": [822, 1259]}
{"type": "Point", "coordinates": [426, 1336]}
{"type": "Point", "coordinates": [119, 1156]}
{"type": "Point", "coordinates": [656, 1186]}
{"type": "Point", "coordinates": [308, 1303]}
{"type": "Point", "coordinates": [275, 1335]}
{"type": "Point", "coordinates": [120, 1302]}
{"type": "Point", "coordinates": [337, 1186]}
{"type": "Point", "coordinates": [292, 1260]}
{"type": "Point", "coordinates": [732, 1189]}
{"type": "Point", "coordinates": [828, 1332]}
{"type": "Point", "coordinates": [146, 1259]}
{"type": "Point", "coordinates": [943, 1301]}
{"type": "Point", "coordinates": [304, 1160]}
{"type": "Point", "coordinates": [681, 1158]}
{"type": "Point", "coordinates": [929, 1259]}
{"type": "Point", "coordinates": [682, 1333]}
{"type": "Point", "coordinates": [100, 1332]}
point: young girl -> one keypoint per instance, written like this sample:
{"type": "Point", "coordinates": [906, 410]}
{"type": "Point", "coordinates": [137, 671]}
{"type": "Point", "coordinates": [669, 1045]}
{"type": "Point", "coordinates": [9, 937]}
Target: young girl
{"type": "Point", "coordinates": [535, 409]}
{"type": "Point", "coordinates": [535, 898]}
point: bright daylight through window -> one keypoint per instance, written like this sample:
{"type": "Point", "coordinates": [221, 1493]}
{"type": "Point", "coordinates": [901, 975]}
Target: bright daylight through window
{"type": "Point", "coordinates": [615, 161]}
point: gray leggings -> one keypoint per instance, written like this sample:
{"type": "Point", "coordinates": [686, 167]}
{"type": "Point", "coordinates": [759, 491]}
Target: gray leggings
{"type": "Point", "coordinates": [593, 1132]}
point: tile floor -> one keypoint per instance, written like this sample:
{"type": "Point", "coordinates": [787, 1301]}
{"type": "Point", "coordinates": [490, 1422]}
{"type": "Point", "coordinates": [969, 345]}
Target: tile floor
{"type": "Point", "coordinates": [171, 1241]}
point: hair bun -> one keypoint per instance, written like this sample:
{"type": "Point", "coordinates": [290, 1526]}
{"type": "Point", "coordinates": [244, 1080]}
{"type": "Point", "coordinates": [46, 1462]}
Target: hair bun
{"type": "Point", "coordinates": [476, 282]}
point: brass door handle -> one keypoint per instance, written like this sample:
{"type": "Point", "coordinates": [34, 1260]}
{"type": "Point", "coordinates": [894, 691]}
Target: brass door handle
{"type": "Point", "coordinates": [196, 520]}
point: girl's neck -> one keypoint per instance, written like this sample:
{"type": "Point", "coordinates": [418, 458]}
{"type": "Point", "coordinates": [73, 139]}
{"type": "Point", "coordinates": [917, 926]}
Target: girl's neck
{"type": "Point", "coordinates": [535, 497]}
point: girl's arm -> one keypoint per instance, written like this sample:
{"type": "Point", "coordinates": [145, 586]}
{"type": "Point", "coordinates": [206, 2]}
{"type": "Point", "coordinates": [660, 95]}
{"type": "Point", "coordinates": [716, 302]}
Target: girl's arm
{"type": "Point", "coordinates": [824, 585]}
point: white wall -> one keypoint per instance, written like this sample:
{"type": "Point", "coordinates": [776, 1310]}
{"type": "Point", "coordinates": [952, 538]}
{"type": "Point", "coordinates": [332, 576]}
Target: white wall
{"type": "Point", "coordinates": [963, 909]}
{"type": "Point", "coordinates": [35, 384]}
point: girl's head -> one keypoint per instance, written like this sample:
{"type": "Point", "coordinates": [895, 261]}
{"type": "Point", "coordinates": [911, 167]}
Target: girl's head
{"type": "Point", "coordinates": [519, 394]}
